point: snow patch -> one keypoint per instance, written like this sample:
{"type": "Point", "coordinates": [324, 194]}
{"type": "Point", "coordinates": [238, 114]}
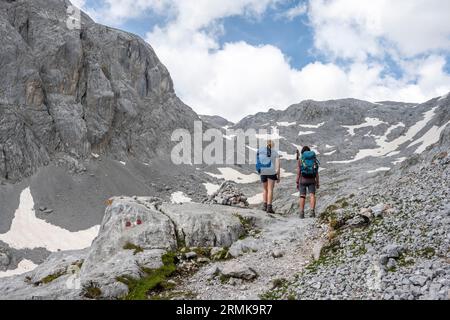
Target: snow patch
{"type": "Point", "coordinates": [330, 153]}
{"type": "Point", "coordinates": [385, 147]}
{"type": "Point", "coordinates": [379, 170]}
{"type": "Point", "coordinates": [211, 188]}
{"type": "Point", "coordinates": [234, 175]}
{"type": "Point", "coordinates": [256, 199]}
{"type": "Point", "coordinates": [123, 162]}
{"type": "Point", "coordinates": [284, 155]}
{"type": "Point", "coordinates": [179, 197]}
{"type": "Point", "coordinates": [274, 135]}
{"type": "Point", "coordinates": [312, 126]}
{"type": "Point", "coordinates": [399, 160]}
{"type": "Point", "coordinates": [305, 133]}
{"type": "Point", "coordinates": [370, 122]}
{"type": "Point", "coordinates": [24, 266]}
{"type": "Point", "coordinates": [431, 137]}
{"type": "Point", "coordinates": [29, 232]}
{"type": "Point", "coordinates": [286, 124]}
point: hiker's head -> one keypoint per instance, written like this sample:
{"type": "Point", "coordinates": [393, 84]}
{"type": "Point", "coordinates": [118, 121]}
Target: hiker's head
{"type": "Point", "coordinates": [305, 148]}
{"type": "Point", "coordinates": [269, 144]}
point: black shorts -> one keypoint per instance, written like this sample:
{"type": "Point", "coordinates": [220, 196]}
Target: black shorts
{"type": "Point", "coordinates": [310, 187]}
{"type": "Point", "coordinates": [264, 178]}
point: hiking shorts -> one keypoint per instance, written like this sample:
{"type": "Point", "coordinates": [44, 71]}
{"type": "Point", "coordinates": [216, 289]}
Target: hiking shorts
{"type": "Point", "coordinates": [310, 187]}
{"type": "Point", "coordinates": [264, 178]}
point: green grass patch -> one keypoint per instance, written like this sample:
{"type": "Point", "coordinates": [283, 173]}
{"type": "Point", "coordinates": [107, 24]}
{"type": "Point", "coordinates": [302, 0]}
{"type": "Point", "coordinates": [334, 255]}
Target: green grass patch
{"type": "Point", "coordinates": [51, 277]}
{"type": "Point", "coordinates": [91, 291]}
{"type": "Point", "coordinates": [153, 279]}
{"type": "Point", "coordinates": [131, 246]}
{"type": "Point", "coordinates": [427, 252]}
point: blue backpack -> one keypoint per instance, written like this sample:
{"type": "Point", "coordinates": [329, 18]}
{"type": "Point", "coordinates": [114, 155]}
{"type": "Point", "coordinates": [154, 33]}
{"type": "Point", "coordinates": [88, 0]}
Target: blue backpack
{"type": "Point", "coordinates": [309, 165]}
{"type": "Point", "coordinates": [260, 165]}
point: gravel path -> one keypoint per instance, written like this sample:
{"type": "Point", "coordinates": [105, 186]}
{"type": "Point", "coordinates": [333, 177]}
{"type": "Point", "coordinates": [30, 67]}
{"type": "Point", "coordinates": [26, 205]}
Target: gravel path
{"type": "Point", "coordinates": [284, 236]}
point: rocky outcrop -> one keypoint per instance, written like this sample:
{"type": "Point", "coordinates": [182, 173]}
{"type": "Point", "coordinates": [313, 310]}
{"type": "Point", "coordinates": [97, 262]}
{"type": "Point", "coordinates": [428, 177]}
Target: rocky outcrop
{"type": "Point", "coordinates": [134, 236]}
{"type": "Point", "coordinates": [77, 91]}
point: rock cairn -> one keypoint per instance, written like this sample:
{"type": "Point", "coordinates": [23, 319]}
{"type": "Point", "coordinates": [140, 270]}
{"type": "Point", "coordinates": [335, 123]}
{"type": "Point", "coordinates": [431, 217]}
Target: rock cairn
{"type": "Point", "coordinates": [228, 195]}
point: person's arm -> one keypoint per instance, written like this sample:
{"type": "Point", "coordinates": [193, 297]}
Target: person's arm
{"type": "Point", "coordinates": [317, 181]}
{"type": "Point", "coordinates": [278, 168]}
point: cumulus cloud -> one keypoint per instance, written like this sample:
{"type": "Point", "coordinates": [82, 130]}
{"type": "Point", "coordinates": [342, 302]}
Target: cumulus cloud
{"type": "Point", "coordinates": [355, 29]}
{"type": "Point", "coordinates": [237, 79]}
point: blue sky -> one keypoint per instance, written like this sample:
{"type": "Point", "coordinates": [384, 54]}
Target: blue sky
{"type": "Point", "coordinates": [237, 57]}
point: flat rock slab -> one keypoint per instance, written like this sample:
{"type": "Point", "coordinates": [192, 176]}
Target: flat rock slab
{"type": "Point", "coordinates": [204, 225]}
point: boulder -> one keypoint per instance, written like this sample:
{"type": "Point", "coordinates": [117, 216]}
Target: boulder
{"type": "Point", "coordinates": [133, 234]}
{"type": "Point", "coordinates": [238, 270]}
{"type": "Point", "coordinates": [203, 225]}
{"type": "Point", "coordinates": [393, 250]}
{"type": "Point", "coordinates": [243, 246]}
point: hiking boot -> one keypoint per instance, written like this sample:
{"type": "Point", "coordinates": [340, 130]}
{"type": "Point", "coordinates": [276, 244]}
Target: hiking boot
{"type": "Point", "coordinates": [313, 213]}
{"type": "Point", "coordinates": [264, 206]}
{"type": "Point", "coordinates": [270, 209]}
{"type": "Point", "coordinates": [302, 215]}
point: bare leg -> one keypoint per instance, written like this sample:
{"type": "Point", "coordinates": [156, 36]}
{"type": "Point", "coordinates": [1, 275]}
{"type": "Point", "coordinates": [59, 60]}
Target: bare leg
{"type": "Point", "coordinates": [313, 201]}
{"type": "Point", "coordinates": [271, 184]}
{"type": "Point", "coordinates": [265, 192]}
{"type": "Point", "coordinates": [301, 203]}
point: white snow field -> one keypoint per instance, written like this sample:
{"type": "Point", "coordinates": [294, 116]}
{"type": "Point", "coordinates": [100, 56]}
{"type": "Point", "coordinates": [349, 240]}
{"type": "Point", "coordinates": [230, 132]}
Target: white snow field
{"type": "Point", "coordinates": [179, 197]}
{"type": "Point", "coordinates": [234, 175]}
{"type": "Point", "coordinates": [429, 138]}
{"type": "Point", "coordinates": [29, 232]}
{"type": "Point", "coordinates": [385, 147]}
{"type": "Point", "coordinates": [24, 266]}
{"type": "Point", "coordinates": [370, 122]}
{"type": "Point", "coordinates": [211, 187]}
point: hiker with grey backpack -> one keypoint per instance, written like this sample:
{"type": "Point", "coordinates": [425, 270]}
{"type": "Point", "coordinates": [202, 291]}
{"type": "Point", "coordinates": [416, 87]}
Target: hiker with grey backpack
{"type": "Point", "coordinates": [307, 179]}
{"type": "Point", "coordinates": [268, 167]}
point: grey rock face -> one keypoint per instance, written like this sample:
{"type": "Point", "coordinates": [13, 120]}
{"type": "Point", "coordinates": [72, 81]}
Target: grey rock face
{"type": "Point", "coordinates": [4, 259]}
{"type": "Point", "coordinates": [76, 91]}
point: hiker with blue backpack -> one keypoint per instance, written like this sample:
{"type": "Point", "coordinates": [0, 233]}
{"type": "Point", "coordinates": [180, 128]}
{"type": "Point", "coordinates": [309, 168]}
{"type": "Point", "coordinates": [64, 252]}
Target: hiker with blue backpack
{"type": "Point", "coordinates": [307, 179]}
{"type": "Point", "coordinates": [268, 167]}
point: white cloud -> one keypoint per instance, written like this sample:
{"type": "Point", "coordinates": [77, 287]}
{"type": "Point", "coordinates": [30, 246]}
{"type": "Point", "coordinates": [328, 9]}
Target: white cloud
{"type": "Point", "coordinates": [295, 12]}
{"type": "Point", "coordinates": [353, 28]}
{"type": "Point", "coordinates": [237, 79]}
